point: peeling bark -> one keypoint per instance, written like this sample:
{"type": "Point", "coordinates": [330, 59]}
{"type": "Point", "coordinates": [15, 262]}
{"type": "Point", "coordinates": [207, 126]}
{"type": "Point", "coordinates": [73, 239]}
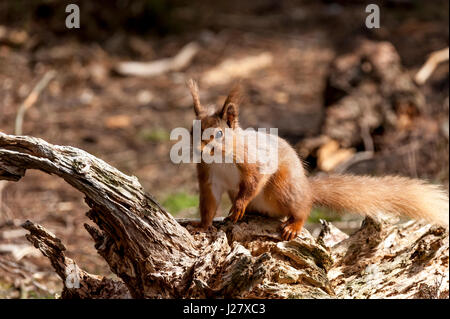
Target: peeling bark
{"type": "Point", "coordinates": [82, 284]}
{"type": "Point", "coordinates": [400, 261]}
{"type": "Point", "coordinates": [156, 256]}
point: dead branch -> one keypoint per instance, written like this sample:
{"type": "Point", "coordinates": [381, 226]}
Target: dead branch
{"type": "Point", "coordinates": [156, 256]}
{"type": "Point", "coordinates": [154, 68]}
{"type": "Point", "coordinates": [230, 69]}
{"type": "Point", "coordinates": [431, 64]}
{"type": "Point", "coordinates": [31, 99]}
{"type": "Point", "coordinates": [78, 284]}
{"type": "Point", "coordinates": [142, 243]}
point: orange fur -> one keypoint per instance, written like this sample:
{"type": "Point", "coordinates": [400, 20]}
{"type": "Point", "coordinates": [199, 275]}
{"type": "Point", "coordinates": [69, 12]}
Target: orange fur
{"type": "Point", "coordinates": [287, 192]}
{"type": "Point", "coordinates": [390, 194]}
{"type": "Point", "coordinates": [208, 204]}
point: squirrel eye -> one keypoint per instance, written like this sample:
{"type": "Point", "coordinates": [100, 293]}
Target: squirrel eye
{"type": "Point", "coordinates": [219, 134]}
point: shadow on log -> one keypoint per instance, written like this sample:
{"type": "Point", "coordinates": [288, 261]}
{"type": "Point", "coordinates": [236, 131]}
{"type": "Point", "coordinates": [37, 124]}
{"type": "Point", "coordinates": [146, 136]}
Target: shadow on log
{"type": "Point", "coordinates": [156, 256]}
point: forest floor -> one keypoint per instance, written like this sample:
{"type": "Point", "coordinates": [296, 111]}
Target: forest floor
{"type": "Point", "coordinates": [127, 121]}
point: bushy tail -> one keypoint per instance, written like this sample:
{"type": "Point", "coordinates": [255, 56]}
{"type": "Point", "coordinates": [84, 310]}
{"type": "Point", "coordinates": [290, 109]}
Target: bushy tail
{"type": "Point", "coordinates": [391, 194]}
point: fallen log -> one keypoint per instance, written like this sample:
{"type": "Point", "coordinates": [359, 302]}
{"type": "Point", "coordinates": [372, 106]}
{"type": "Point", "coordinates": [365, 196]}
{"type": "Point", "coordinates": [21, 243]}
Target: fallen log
{"type": "Point", "coordinates": [156, 256]}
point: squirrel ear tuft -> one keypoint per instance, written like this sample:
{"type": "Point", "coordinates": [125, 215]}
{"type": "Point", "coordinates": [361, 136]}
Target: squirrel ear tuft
{"type": "Point", "coordinates": [230, 110]}
{"type": "Point", "coordinates": [230, 114]}
{"type": "Point", "coordinates": [192, 85]}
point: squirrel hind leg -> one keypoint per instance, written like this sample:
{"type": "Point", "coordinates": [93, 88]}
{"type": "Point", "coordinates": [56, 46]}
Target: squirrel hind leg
{"type": "Point", "coordinates": [292, 227]}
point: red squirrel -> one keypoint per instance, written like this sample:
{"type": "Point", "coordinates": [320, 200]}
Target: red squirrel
{"type": "Point", "coordinates": [288, 192]}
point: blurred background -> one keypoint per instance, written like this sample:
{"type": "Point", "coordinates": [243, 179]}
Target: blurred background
{"type": "Point", "coordinates": [348, 99]}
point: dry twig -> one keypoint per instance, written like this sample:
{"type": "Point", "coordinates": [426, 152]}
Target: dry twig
{"type": "Point", "coordinates": [154, 68]}
{"type": "Point", "coordinates": [31, 99]}
{"type": "Point", "coordinates": [430, 65]}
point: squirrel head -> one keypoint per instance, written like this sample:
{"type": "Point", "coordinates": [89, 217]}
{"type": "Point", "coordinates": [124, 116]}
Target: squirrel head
{"type": "Point", "coordinates": [221, 118]}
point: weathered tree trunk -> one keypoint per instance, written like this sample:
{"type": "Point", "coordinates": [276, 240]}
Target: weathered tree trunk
{"type": "Point", "coordinates": [157, 256]}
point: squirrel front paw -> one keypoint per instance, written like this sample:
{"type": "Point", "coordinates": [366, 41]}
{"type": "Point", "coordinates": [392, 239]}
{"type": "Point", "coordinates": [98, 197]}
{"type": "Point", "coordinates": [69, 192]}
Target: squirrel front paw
{"type": "Point", "coordinates": [236, 213]}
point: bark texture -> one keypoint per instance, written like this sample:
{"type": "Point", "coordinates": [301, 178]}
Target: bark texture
{"type": "Point", "coordinates": [156, 256]}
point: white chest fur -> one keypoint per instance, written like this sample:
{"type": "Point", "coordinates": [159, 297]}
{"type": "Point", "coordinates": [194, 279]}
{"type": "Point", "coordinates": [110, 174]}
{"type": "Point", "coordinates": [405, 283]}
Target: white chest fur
{"type": "Point", "coordinates": [224, 177]}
